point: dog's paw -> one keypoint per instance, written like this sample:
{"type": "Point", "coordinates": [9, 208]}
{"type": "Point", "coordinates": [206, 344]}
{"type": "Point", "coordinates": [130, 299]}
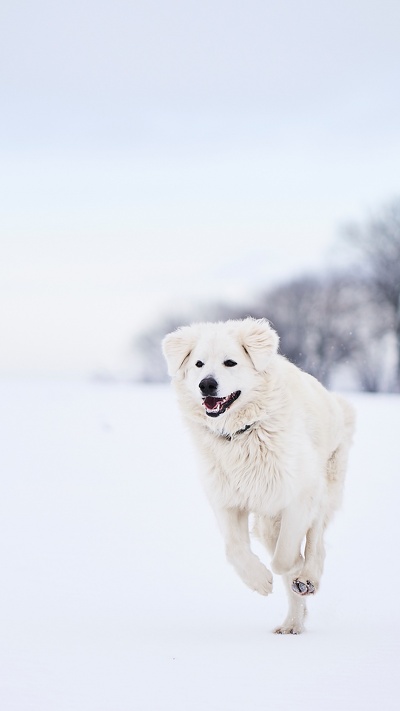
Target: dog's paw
{"type": "Point", "coordinates": [290, 628]}
{"type": "Point", "coordinates": [259, 579]}
{"type": "Point", "coordinates": [303, 587]}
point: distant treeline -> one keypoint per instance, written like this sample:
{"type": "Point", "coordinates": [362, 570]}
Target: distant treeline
{"type": "Point", "coordinates": [342, 327]}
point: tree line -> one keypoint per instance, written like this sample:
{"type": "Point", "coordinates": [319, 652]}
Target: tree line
{"type": "Point", "coordinates": [342, 327]}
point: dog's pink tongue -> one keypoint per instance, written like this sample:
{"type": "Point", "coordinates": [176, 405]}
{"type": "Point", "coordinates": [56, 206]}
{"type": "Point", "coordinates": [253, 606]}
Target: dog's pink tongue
{"type": "Point", "coordinates": [211, 402]}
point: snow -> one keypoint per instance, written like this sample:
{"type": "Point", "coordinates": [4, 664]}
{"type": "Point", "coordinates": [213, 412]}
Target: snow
{"type": "Point", "coordinates": [115, 594]}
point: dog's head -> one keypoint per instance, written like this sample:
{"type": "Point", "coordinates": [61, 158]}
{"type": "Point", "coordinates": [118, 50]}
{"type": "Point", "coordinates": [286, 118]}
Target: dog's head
{"type": "Point", "coordinates": [220, 363]}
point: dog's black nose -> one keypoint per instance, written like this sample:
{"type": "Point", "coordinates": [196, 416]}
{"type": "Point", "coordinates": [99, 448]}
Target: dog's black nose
{"type": "Point", "coordinates": [208, 386]}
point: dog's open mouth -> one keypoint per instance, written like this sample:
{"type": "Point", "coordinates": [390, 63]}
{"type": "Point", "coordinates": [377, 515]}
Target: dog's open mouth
{"type": "Point", "coordinates": [215, 406]}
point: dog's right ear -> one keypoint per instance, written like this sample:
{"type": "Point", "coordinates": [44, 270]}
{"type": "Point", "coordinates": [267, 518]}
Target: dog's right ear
{"type": "Point", "coordinates": [176, 347]}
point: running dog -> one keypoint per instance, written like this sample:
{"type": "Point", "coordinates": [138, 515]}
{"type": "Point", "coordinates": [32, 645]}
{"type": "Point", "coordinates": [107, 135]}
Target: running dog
{"type": "Point", "coordinates": [274, 444]}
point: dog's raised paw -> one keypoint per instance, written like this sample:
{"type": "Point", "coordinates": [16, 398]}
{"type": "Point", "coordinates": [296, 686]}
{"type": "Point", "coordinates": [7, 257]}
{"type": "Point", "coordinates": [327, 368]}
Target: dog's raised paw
{"type": "Point", "coordinates": [301, 587]}
{"type": "Point", "coordinates": [263, 586]}
{"type": "Point", "coordinates": [259, 579]}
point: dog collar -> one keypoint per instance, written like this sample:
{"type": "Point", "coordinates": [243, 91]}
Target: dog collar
{"type": "Point", "coordinates": [229, 437]}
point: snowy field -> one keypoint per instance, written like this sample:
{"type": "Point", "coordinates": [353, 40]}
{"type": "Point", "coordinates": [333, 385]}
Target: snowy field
{"type": "Point", "coordinates": [114, 590]}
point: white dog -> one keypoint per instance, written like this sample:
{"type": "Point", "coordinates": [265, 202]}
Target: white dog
{"type": "Point", "coordinates": [274, 444]}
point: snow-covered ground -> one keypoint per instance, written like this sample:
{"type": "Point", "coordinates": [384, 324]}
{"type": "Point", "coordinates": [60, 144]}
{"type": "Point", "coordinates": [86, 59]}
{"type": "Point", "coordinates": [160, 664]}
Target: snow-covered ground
{"type": "Point", "coordinates": [114, 590]}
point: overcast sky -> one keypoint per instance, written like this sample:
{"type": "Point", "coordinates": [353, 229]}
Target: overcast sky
{"type": "Point", "coordinates": [156, 152]}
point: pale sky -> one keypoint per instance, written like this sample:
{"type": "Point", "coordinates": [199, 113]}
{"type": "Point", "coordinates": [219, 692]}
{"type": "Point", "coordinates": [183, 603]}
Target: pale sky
{"type": "Point", "coordinates": [155, 153]}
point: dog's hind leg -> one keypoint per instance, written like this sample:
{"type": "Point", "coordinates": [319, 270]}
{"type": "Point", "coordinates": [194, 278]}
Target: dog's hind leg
{"type": "Point", "coordinates": [234, 525]}
{"type": "Point", "coordinates": [308, 580]}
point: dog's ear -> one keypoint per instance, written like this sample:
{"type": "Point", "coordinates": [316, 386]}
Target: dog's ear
{"type": "Point", "coordinates": [176, 347]}
{"type": "Point", "coordinates": [259, 340]}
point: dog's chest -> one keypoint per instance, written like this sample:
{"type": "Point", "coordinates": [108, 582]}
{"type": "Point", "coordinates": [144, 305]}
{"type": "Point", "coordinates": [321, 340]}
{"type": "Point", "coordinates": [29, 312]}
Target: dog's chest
{"type": "Point", "coordinates": [248, 474]}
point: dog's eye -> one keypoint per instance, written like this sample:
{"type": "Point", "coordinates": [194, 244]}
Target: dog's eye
{"type": "Point", "coordinates": [199, 364]}
{"type": "Point", "coordinates": [229, 363]}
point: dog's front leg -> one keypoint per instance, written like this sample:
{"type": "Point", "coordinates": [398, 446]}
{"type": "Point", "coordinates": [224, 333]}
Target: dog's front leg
{"type": "Point", "coordinates": [234, 525]}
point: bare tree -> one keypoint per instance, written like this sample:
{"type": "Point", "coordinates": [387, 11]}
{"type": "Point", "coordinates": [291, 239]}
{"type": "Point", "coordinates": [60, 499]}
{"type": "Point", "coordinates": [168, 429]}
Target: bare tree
{"type": "Point", "coordinates": [378, 243]}
{"type": "Point", "coordinates": [308, 315]}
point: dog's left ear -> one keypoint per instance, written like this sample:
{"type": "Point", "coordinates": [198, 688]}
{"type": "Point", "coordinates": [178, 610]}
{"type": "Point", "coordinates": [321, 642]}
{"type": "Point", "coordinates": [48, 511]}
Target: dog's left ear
{"type": "Point", "coordinates": [259, 340]}
{"type": "Point", "coordinates": [176, 347]}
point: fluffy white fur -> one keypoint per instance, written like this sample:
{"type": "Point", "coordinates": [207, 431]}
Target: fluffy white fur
{"type": "Point", "coordinates": [279, 452]}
